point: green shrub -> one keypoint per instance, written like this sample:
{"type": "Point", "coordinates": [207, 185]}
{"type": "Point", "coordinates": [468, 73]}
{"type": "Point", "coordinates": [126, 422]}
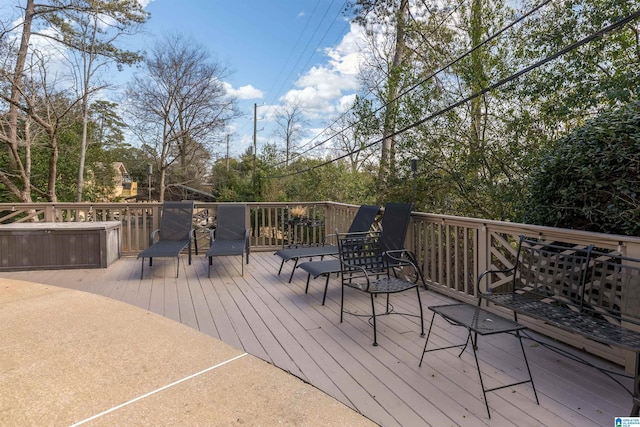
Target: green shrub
{"type": "Point", "coordinates": [591, 178]}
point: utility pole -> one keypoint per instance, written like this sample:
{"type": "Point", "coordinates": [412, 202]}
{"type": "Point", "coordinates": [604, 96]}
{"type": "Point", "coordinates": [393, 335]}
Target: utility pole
{"type": "Point", "coordinates": [227, 153]}
{"type": "Point", "coordinates": [255, 142]}
{"type": "Point", "coordinates": [149, 174]}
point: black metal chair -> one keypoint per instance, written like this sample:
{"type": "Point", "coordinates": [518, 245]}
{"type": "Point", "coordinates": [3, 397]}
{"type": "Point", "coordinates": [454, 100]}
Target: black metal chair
{"type": "Point", "coordinates": [231, 236]}
{"type": "Point", "coordinates": [366, 266]}
{"type": "Point", "coordinates": [361, 222]}
{"type": "Point", "coordinates": [174, 234]}
{"type": "Point", "coordinates": [395, 222]}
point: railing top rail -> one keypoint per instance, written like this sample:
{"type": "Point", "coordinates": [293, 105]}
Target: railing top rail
{"type": "Point", "coordinates": [515, 228]}
{"type": "Point", "coordinates": [477, 223]}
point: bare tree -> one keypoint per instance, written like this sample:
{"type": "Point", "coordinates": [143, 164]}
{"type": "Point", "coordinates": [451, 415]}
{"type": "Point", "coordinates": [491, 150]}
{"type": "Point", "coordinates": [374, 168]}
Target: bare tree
{"type": "Point", "coordinates": [354, 131]}
{"type": "Point", "coordinates": [10, 137]}
{"type": "Point", "coordinates": [393, 60]}
{"type": "Point", "coordinates": [291, 125]}
{"type": "Point", "coordinates": [178, 105]}
{"type": "Point", "coordinates": [41, 108]}
{"type": "Point", "coordinates": [29, 107]}
{"type": "Point", "coordinates": [91, 31]}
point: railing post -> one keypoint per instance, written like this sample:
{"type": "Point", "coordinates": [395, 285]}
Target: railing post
{"type": "Point", "coordinates": [49, 213]}
{"type": "Point", "coordinates": [410, 241]}
{"type": "Point", "coordinates": [328, 218]}
{"type": "Point", "coordinates": [483, 255]}
{"type": "Point", "coordinates": [632, 249]}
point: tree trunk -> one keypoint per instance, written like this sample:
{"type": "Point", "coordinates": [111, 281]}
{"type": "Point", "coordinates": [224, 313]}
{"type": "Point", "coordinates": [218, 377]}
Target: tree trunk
{"type": "Point", "coordinates": [162, 183]}
{"type": "Point", "coordinates": [23, 194]}
{"type": "Point", "coordinates": [83, 145]}
{"type": "Point", "coordinates": [387, 156]}
{"type": "Point", "coordinates": [478, 82]}
{"type": "Point", "coordinates": [87, 71]}
{"type": "Point", "coordinates": [53, 166]}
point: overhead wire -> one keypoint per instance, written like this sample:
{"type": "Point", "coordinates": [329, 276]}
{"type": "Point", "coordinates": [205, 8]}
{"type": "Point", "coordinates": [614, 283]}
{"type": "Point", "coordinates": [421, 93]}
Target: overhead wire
{"type": "Point", "coordinates": [306, 48]}
{"type": "Point", "coordinates": [334, 121]}
{"type": "Point", "coordinates": [286, 62]}
{"type": "Point", "coordinates": [432, 75]}
{"type": "Point", "coordinates": [481, 92]}
{"type": "Point", "coordinates": [341, 116]}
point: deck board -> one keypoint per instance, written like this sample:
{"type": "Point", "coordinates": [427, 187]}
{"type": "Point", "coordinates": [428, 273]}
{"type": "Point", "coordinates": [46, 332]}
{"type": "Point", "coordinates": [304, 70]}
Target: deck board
{"type": "Point", "coordinates": [276, 321]}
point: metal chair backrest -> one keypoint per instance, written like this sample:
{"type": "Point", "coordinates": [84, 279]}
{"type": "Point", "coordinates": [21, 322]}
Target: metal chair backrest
{"type": "Point", "coordinates": [613, 285]}
{"type": "Point", "coordinates": [230, 222]}
{"type": "Point", "coordinates": [360, 252]}
{"type": "Point", "coordinates": [177, 220]}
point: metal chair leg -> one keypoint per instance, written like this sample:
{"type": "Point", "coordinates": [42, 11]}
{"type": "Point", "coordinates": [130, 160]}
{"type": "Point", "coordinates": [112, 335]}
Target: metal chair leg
{"type": "Point", "coordinates": [373, 310]}
{"type": "Point", "coordinates": [326, 286]}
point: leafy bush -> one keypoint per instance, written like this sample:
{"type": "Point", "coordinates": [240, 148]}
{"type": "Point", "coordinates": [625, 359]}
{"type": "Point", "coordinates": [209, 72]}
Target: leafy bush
{"type": "Point", "coordinates": [591, 178]}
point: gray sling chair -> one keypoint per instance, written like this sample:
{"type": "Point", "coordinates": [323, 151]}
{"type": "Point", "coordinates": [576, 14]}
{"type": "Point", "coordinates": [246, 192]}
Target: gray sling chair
{"type": "Point", "coordinates": [395, 222]}
{"type": "Point", "coordinates": [174, 234]}
{"type": "Point", "coordinates": [361, 222]}
{"type": "Point", "coordinates": [231, 235]}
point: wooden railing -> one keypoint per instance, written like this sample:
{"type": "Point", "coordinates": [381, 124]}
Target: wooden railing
{"type": "Point", "coordinates": [272, 225]}
{"type": "Point", "coordinates": [453, 250]}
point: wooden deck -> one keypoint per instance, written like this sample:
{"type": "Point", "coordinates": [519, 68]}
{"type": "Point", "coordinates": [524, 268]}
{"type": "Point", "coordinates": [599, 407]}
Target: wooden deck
{"type": "Point", "coordinates": [276, 321]}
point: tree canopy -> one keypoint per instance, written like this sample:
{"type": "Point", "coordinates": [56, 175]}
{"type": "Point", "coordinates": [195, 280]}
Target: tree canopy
{"type": "Point", "coordinates": [590, 178]}
{"type": "Point", "coordinates": [492, 101]}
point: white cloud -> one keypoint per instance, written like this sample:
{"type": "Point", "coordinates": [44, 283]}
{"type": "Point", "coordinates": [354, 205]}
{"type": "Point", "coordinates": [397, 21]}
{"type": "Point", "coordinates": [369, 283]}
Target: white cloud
{"type": "Point", "coordinates": [347, 56]}
{"type": "Point", "coordinates": [244, 92]}
{"type": "Point", "coordinates": [326, 88]}
{"type": "Point", "coordinates": [144, 3]}
{"type": "Point", "coordinates": [346, 102]}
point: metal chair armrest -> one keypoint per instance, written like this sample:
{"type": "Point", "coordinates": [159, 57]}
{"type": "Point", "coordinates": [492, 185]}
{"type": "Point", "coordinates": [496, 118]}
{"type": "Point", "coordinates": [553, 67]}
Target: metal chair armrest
{"type": "Point", "coordinates": [487, 272]}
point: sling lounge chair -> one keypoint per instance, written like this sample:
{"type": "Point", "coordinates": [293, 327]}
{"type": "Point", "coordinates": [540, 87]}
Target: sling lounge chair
{"type": "Point", "coordinates": [361, 222]}
{"type": "Point", "coordinates": [395, 222]}
{"type": "Point", "coordinates": [174, 234]}
{"type": "Point", "coordinates": [231, 236]}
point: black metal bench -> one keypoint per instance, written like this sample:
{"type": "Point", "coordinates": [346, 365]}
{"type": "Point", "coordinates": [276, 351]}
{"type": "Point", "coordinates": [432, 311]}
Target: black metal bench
{"type": "Point", "coordinates": [579, 289]}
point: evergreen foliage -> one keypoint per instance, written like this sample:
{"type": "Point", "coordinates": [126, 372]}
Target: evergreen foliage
{"type": "Point", "coordinates": [590, 179]}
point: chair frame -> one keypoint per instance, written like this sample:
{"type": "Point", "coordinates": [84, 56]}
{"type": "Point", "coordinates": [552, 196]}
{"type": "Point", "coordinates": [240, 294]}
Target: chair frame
{"type": "Point", "coordinates": [164, 242]}
{"type": "Point", "coordinates": [395, 221]}
{"type": "Point", "coordinates": [366, 266]}
{"type": "Point", "coordinates": [227, 239]}
{"type": "Point", "coordinates": [362, 221]}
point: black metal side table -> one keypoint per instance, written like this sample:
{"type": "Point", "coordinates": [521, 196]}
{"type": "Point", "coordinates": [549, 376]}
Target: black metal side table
{"type": "Point", "coordinates": [303, 231]}
{"type": "Point", "coordinates": [478, 322]}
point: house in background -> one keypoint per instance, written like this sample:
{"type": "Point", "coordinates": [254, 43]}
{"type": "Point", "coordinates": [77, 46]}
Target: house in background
{"type": "Point", "coordinates": [111, 186]}
{"type": "Point", "coordinates": [124, 187]}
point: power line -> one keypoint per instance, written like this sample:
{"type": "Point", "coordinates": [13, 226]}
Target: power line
{"type": "Point", "coordinates": [306, 48]}
{"type": "Point", "coordinates": [286, 62]}
{"type": "Point", "coordinates": [328, 127]}
{"type": "Point", "coordinates": [494, 86]}
{"type": "Point", "coordinates": [427, 78]}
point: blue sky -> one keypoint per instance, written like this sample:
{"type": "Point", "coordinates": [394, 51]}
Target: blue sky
{"type": "Point", "coordinates": [278, 51]}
